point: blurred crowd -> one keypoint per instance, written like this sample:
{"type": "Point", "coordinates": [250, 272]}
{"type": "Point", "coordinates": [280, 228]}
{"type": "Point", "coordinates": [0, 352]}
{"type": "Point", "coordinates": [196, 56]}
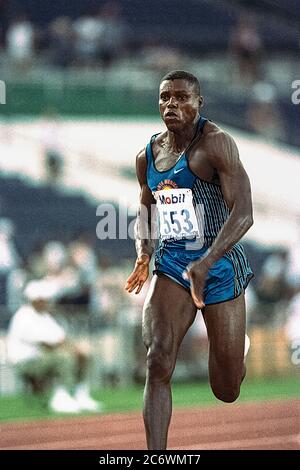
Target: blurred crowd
{"type": "Point", "coordinates": [52, 305]}
{"type": "Point", "coordinates": [96, 38]}
{"type": "Point", "coordinates": [78, 277]}
{"type": "Point", "coordinates": [102, 38]}
{"type": "Point", "coordinates": [247, 58]}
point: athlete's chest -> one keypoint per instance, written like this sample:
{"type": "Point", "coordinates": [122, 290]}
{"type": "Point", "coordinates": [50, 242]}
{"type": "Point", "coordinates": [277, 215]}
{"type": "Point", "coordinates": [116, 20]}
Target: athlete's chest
{"type": "Point", "coordinates": [176, 176]}
{"type": "Point", "coordinates": [165, 160]}
{"type": "Point", "coordinates": [199, 163]}
{"type": "Point", "coordinates": [197, 160]}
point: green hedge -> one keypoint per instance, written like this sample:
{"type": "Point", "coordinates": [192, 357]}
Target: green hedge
{"type": "Point", "coordinates": [35, 98]}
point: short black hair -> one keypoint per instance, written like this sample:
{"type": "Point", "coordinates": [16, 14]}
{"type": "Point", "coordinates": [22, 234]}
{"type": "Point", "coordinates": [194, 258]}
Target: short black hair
{"type": "Point", "coordinates": [182, 75]}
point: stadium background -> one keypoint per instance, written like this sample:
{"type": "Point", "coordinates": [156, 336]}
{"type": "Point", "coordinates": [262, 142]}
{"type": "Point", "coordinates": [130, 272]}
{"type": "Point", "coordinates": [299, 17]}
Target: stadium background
{"type": "Point", "coordinates": [81, 99]}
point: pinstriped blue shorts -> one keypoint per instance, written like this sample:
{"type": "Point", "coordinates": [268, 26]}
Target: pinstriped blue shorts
{"type": "Point", "coordinates": [226, 280]}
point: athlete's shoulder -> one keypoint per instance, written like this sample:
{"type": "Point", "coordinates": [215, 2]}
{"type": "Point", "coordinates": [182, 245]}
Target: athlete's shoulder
{"type": "Point", "coordinates": [214, 135]}
{"type": "Point", "coordinates": [219, 145]}
{"type": "Point", "coordinates": [157, 140]}
{"type": "Point", "coordinates": [141, 166]}
{"type": "Point", "coordinates": [141, 155]}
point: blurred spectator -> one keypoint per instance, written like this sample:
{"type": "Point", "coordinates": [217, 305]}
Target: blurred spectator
{"type": "Point", "coordinates": [60, 273]}
{"type": "Point", "coordinates": [251, 304]}
{"type": "Point", "coordinates": [272, 288]}
{"type": "Point", "coordinates": [2, 22]}
{"type": "Point", "coordinates": [111, 294]}
{"type": "Point", "coordinates": [293, 268]}
{"type": "Point", "coordinates": [20, 42]}
{"type": "Point", "coordinates": [55, 257]}
{"type": "Point", "coordinates": [9, 258]}
{"type": "Point", "coordinates": [159, 57]}
{"type": "Point", "coordinates": [246, 48]}
{"type": "Point", "coordinates": [36, 262]}
{"type": "Point", "coordinates": [83, 258]}
{"type": "Point", "coordinates": [293, 320]}
{"type": "Point", "coordinates": [15, 286]}
{"type": "Point", "coordinates": [39, 348]}
{"type": "Point", "coordinates": [61, 42]}
{"type": "Point", "coordinates": [72, 270]}
{"type": "Point", "coordinates": [263, 115]}
{"type": "Point", "coordinates": [96, 305]}
{"type": "Point", "coordinates": [52, 147]}
{"type": "Point", "coordinates": [89, 31]}
{"type": "Point", "coordinates": [113, 40]}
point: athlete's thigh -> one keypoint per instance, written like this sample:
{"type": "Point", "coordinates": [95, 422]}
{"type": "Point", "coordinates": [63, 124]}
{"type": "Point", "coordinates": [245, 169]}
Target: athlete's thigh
{"type": "Point", "coordinates": [225, 323]}
{"type": "Point", "coordinates": [168, 312]}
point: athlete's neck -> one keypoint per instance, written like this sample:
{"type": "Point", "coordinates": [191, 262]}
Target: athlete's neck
{"type": "Point", "coordinates": [178, 141]}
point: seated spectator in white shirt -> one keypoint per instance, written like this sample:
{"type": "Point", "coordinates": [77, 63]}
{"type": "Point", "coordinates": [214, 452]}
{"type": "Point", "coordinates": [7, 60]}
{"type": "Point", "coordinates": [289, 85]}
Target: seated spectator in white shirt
{"type": "Point", "coordinates": [38, 347]}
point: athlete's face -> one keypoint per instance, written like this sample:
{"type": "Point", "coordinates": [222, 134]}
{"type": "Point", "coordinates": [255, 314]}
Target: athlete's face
{"type": "Point", "coordinates": [179, 104]}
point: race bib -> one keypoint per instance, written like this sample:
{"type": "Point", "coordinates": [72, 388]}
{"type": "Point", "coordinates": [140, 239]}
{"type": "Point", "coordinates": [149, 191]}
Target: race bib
{"type": "Point", "coordinates": [177, 218]}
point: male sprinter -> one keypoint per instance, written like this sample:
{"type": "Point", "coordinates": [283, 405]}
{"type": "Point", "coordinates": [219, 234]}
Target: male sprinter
{"type": "Point", "coordinates": [193, 174]}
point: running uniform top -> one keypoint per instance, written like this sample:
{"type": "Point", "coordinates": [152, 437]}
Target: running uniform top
{"type": "Point", "coordinates": [207, 196]}
{"type": "Point", "coordinates": [191, 213]}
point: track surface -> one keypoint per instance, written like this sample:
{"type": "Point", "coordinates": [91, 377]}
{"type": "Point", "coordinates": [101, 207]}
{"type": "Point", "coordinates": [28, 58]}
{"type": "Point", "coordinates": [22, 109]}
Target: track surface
{"type": "Point", "coordinates": [261, 425]}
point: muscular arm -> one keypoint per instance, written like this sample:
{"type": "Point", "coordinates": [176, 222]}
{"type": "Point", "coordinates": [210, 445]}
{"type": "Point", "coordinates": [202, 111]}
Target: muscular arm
{"type": "Point", "coordinates": [235, 185]}
{"type": "Point", "coordinates": [144, 238]}
{"type": "Point", "coordinates": [144, 241]}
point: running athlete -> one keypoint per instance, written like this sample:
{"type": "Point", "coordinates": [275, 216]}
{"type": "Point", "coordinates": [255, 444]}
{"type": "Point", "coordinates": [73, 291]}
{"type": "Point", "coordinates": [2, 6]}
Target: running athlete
{"type": "Point", "coordinates": [193, 174]}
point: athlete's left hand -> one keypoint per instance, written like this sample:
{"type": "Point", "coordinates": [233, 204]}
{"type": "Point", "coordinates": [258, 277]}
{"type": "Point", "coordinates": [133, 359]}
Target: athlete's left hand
{"type": "Point", "coordinates": [197, 273]}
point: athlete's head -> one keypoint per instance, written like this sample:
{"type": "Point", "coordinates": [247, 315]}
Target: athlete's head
{"type": "Point", "coordinates": [180, 99]}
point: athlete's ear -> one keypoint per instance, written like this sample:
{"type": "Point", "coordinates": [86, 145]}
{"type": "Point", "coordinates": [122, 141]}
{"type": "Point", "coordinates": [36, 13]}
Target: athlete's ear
{"type": "Point", "coordinates": [201, 101]}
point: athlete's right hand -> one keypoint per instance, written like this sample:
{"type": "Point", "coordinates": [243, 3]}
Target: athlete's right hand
{"type": "Point", "coordinates": [139, 275]}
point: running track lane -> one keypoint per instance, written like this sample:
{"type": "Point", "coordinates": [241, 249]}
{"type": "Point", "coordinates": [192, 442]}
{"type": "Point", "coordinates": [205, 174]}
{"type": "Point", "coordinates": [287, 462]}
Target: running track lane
{"type": "Point", "coordinates": [248, 426]}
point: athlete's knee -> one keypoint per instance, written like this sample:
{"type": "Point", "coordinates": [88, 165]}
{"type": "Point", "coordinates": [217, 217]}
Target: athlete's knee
{"type": "Point", "coordinates": [226, 388]}
{"type": "Point", "coordinates": [228, 395]}
{"type": "Point", "coordinates": [160, 364]}
{"type": "Point", "coordinates": [226, 376]}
